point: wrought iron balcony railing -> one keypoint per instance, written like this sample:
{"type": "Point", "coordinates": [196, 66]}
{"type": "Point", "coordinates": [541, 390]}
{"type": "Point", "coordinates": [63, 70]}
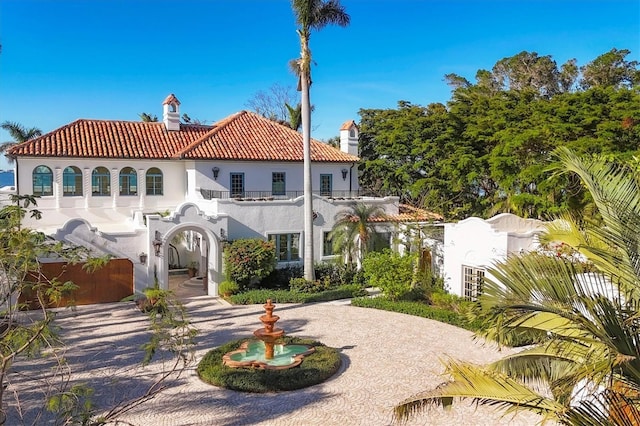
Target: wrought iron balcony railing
{"type": "Point", "coordinates": [210, 194]}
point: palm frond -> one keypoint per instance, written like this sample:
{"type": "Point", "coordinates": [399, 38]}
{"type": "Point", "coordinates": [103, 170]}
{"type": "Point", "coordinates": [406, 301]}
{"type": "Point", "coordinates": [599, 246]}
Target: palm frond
{"type": "Point", "coordinates": [483, 387]}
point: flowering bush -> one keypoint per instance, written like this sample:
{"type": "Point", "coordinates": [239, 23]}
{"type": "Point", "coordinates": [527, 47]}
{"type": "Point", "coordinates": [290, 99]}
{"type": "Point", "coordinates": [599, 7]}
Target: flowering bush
{"type": "Point", "coordinates": [249, 260]}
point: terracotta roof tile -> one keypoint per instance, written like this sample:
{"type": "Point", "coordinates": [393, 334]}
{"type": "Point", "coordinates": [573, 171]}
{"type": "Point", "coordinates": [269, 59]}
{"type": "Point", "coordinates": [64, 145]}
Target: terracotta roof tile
{"type": "Point", "coordinates": [347, 125]}
{"type": "Point", "coordinates": [111, 139]}
{"type": "Point", "coordinates": [241, 136]}
{"type": "Point", "coordinates": [407, 213]}
{"type": "Point", "coordinates": [249, 136]}
{"type": "Point", "coordinates": [171, 99]}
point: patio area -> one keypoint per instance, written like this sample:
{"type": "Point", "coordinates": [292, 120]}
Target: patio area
{"type": "Point", "coordinates": [386, 357]}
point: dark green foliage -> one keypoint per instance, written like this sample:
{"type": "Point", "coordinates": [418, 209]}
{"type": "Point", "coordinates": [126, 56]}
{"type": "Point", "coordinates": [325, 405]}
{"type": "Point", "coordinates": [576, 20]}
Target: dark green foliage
{"type": "Point", "coordinates": [419, 309]}
{"type": "Point", "coordinates": [249, 260]}
{"type": "Point", "coordinates": [280, 278]}
{"type": "Point", "coordinates": [337, 272]}
{"type": "Point", "coordinates": [390, 272]}
{"type": "Point", "coordinates": [488, 150]}
{"type": "Point", "coordinates": [285, 296]}
{"type": "Point", "coordinates": [229, 287]}
{"type": "Point", "coordinates": [315, 368]}
{"type": "Point", "coordinates": [304, 286]}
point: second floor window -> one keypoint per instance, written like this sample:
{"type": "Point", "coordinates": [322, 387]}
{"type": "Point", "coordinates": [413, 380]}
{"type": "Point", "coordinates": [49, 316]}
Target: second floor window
{"type": "Point", "coordinates": [326, 185]}
{"type": "Point", "coordinates": [71, 181]}
{"type": "Point", "coordinates": [154, 181]}
{"type": "Point", "coordinates": [277, 183]}
{"type": "Point", "coordinates": [128, 181]}
{"type": "Point", "coordinates": [101, 182]}
{"type": "Point", "coordinates": [237, 184]}
{"type": "Point", "coordinates": [42, 181]}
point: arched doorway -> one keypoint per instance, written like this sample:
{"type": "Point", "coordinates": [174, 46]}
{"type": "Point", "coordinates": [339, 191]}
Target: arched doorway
{"type": "Point", "coordinates": [187, 234]}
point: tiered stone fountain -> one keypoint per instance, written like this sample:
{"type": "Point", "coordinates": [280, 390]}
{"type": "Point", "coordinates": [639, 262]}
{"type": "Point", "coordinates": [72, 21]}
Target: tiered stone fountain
{"type": "Point", "coordinates": [266, 352]}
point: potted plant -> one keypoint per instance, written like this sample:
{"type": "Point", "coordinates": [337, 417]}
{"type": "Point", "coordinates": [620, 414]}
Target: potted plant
{"type": "Point", "coordinates": [192, 269]}
{"type": "Point", "coordinates": [228, 288]}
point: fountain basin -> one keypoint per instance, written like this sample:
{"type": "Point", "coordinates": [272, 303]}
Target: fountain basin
{"type": "Point", "coordinates": [251, 354]}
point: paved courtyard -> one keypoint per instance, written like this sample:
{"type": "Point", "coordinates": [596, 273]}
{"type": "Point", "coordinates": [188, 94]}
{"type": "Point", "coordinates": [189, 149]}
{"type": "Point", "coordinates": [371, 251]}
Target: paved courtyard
{"type": "Point", "coordinates": [386, 358]}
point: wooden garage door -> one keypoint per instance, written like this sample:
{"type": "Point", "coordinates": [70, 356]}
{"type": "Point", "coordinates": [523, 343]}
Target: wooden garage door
{"type": "Point", "coordinates": [111, 283]}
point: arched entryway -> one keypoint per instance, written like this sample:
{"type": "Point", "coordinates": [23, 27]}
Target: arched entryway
{"type": "Point", "coordinates": [187, 238]}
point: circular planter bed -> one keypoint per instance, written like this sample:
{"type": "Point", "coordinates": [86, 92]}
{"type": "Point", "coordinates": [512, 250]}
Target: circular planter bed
{"type": "Point", "coordinates": [317, 367]}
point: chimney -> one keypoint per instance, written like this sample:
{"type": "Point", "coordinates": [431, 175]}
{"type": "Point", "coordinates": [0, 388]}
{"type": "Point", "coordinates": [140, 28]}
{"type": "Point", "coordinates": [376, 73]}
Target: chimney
{"type": "Point", "coordinates": [171, 113]}
{"type": "Point", "coordinates": [349, 138]}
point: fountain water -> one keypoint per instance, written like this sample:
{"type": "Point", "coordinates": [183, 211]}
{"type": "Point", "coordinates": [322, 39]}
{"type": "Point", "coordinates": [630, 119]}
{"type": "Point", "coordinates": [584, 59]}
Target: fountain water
{"type": "Point", "coordinates": [265, 352]}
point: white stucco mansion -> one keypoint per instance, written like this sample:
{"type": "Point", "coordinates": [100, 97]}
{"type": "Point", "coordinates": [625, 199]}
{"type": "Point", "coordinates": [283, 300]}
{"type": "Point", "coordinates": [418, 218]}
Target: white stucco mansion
{"type": "Point", "coordinates": [130, 188]}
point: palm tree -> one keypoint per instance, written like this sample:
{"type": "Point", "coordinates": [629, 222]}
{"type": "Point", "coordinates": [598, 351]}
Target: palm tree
{"type": "Point", "coordinates": [353, 230]}
{"type": "Point", "coordinates": [148, 118]}
{"type": "Point", "coordinates": [582, 309]}
{"type": "Point", "coordinates": [19, 133]}
{"type": "Point", "coordinates": [311, 14]}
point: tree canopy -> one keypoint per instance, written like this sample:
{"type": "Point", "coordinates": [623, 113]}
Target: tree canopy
{"type": "Point", "coordinates": [488, 149]}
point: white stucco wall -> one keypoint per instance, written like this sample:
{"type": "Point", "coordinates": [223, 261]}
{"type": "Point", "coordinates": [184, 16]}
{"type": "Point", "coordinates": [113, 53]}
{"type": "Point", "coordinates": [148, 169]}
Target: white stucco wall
{"type": "Point", "coordinates": [173, 191]}
{"type": "Point", "coordinates": [481, 243]}
{"type": "Point", "coordinates": [258, 175]}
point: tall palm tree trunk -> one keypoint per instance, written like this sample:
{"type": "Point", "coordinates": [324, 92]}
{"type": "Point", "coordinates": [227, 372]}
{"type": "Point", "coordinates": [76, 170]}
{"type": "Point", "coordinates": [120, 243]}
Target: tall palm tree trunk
{"type": "Point", "coordinates": [305, 81]}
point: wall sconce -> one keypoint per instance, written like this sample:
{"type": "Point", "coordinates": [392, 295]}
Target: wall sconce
{"type": "Point", "coordinates": [157, 245]}
{"type": "Point", "coordinates": [344, 174]}
{"type": "Point", "coordinates": [143, 257]}
{"type": "Point", "coordinates": [215, 171]}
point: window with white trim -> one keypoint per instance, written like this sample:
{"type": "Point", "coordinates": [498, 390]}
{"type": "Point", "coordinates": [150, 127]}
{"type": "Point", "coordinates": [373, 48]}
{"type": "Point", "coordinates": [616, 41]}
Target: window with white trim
{"type": "Point", "coordinates": [128, 181]}
{"type": "Point", "coordinates": [71, 182]}
{"type": "Point", "coordinates": [472, 279]}
{"type": "Point", "coordinates": [237, 184]}
{"type": "Point", "coordinates": [287, 246]}
{"type": "Point", "coordinates": [154, 181]}
{"type": "Point", "coordinates": [101, 182]}
{"type": "Point", "coordinates": [278, 183]}
{"type": "Point", "coordinates": [42, 181]}
{"type": "Point", "coordinates": [326, 185]}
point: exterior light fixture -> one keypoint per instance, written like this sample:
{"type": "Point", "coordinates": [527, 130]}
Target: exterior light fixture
{"type": "Point", "coordinates": [216, 171]}
{"type": "Point", "coordinates": [143, 257]}
{"type": "Point", "coordinates": [157, 245]}
{"type": "Point", "coordinates": [344, 174]}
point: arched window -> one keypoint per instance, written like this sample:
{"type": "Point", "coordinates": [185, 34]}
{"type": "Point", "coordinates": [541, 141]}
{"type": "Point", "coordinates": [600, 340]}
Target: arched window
{"type": "Point", "coordinates": [352, 133]}
{"type": "Point", "coordinates": [42, 181]}
{"type": "Point", "coordinates": [71, 182]}
{"type": "Point", "coordinates": [154, 181]}
{"type": "Point", "coordinates": [128, 181]}
{"type": "Point", "coordinates": [101, 182]}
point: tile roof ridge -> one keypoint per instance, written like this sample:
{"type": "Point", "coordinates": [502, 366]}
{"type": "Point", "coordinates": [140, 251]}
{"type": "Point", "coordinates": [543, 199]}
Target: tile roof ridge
{"type": "Point", "coordinates": [215, 128]}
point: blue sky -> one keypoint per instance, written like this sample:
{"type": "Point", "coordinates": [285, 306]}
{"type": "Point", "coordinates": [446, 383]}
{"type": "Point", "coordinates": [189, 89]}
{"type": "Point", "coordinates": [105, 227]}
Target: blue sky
{"type": "Point", "coordinates": [112, 59]}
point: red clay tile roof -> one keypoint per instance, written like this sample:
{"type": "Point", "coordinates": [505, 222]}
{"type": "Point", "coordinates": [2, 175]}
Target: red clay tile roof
{"type": "Point", "coordinates": [111, 139]}
{"type": "Point", "coordinates": [249, 136]}
{"type": "Point", "coordinates": [241, 136]}
{"type": "Point", "coordinates": [407, 213]}
{"type": "Point", "coordinates": [347, 125]}
{"type": "Point", "coordinates": [171, 99]}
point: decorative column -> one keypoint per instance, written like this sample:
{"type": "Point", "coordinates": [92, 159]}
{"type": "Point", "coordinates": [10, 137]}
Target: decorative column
{"type": "Point", "coordinates": [86, 186]}
{"type": "Point", "coordinates": [57, 186]}
{"type": "Point", "coordinates": [142, 188]}
{"type": "Point", "coordinates": [115, 186]}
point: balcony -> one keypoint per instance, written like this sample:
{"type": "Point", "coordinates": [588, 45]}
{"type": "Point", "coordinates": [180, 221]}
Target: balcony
{"type": "Point", "coordinates": [211, 194]}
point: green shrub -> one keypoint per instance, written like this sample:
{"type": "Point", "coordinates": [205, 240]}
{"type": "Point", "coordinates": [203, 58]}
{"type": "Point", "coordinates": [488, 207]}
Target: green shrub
{"type": "Point", "coordinates": [249, 260]}
{"type": "Point", "coordinates": [279, 278]}
{"type": "Point", "coordinates": [315, 368]}
{"type": "Point", "coordinates": [338, 273]}
{"type": "Point", "coordinates": [252, 297]}
{"type": "Point", "coordinates": [304, 286]}
{"type": "Point", "coordinates": [228, 287]}
{"type": "Point", "coordinates": [418, 309]}
{"type": "Point", "coordinates": [390, 272]}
